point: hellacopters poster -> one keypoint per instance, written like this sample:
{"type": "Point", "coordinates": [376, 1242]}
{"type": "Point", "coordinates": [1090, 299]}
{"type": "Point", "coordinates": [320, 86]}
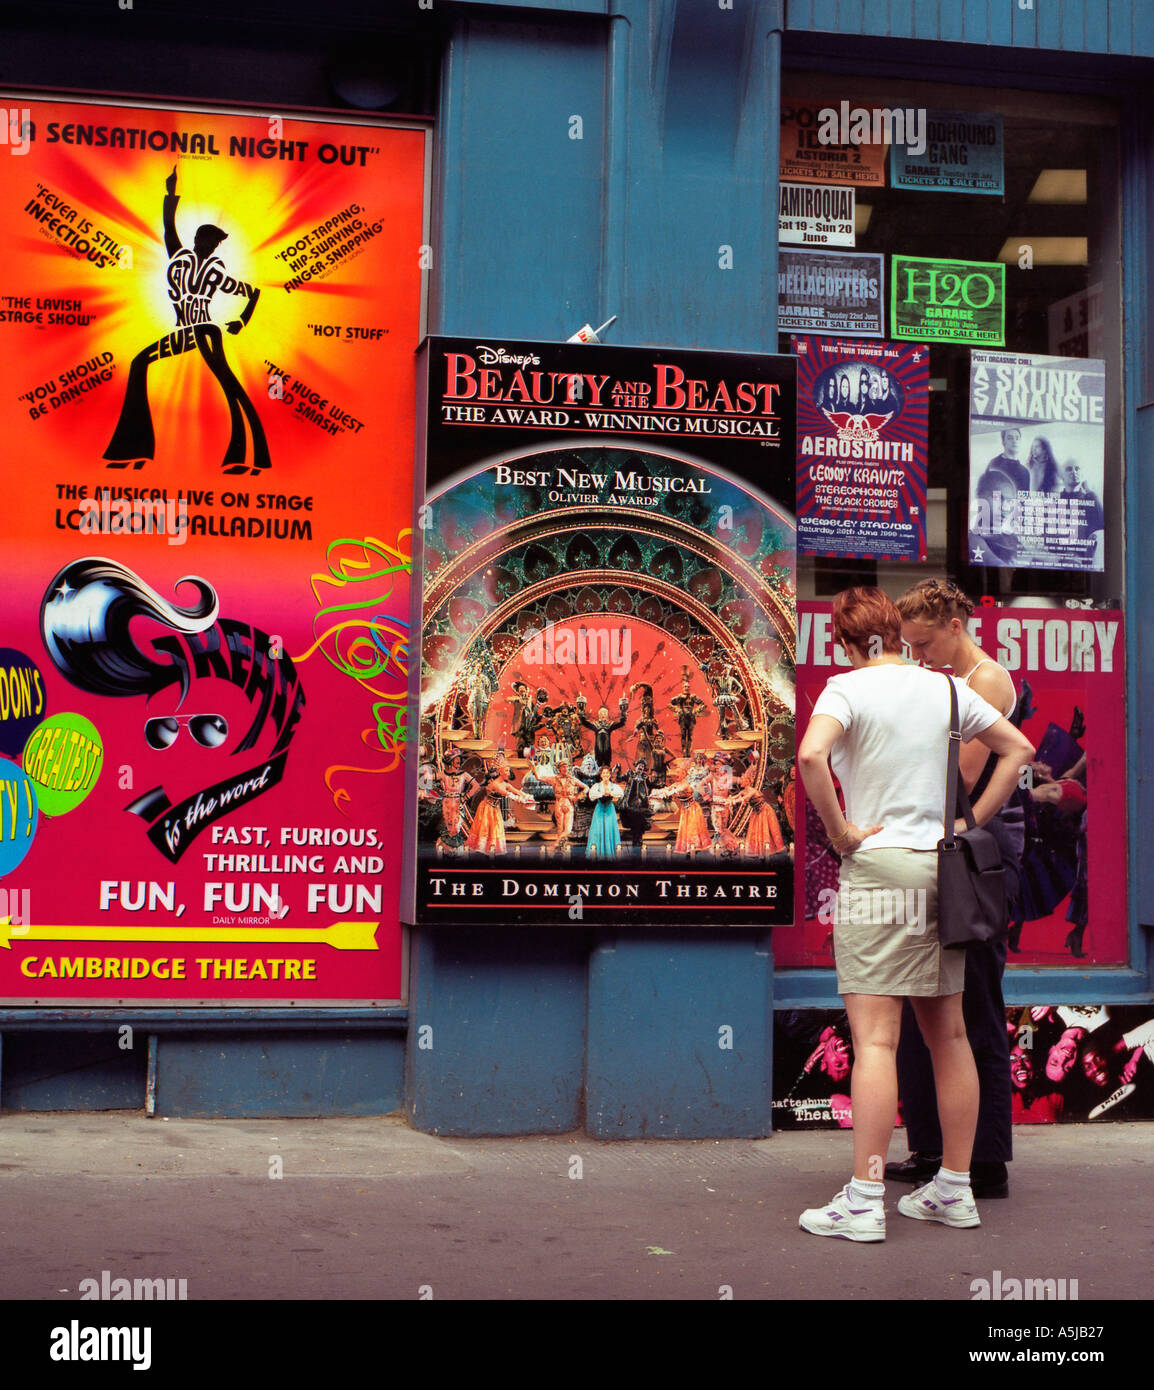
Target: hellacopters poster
{"type": "Point", "coordinates": [207, 329]}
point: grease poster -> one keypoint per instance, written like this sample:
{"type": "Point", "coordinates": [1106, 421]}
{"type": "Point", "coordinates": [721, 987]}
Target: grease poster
{"type": "Point", "coordinates": [207, 327]}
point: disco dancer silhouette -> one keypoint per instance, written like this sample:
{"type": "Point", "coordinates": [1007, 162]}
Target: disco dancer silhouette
{"type": "Point", "coordinates": [193, 276]}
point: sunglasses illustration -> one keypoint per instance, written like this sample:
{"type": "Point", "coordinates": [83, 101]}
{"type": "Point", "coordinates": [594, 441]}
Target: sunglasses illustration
{"type": "Point", "coordinates": [209, 730]}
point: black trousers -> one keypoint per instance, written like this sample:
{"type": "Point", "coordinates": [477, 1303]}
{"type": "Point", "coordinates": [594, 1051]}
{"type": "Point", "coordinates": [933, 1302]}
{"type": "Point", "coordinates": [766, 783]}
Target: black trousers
{"type": "Point", "coordinates": [985, 1014]}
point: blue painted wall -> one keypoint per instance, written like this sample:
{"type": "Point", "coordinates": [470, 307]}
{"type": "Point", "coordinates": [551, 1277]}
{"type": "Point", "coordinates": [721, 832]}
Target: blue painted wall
{"type": "Point", "coordinates": [537, 232]}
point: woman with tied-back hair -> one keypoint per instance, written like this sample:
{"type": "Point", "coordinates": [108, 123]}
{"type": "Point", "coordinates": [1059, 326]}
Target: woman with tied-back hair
{"type": "Point", "coordinates": [885, 724]}
{"type": "Point", "coordinates": [487, 835]}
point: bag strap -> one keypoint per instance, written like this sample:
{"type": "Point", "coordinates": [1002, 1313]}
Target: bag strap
{"type": "Point", "coordinates": [956, 796]}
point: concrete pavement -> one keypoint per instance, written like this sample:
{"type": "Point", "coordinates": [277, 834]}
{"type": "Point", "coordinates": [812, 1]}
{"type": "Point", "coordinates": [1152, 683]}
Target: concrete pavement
{"type": "Point", "coordinates": [371, 1209]}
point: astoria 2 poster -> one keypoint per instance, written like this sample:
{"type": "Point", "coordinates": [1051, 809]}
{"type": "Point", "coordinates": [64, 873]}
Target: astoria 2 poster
{"type": "Point", "coordinates": [862, 430]}
{"type": "Point", "coordinates": [1068, 667]}
{"type": "Point", "coordinates": [207, 328]}
{"type": "Point", "coordinates": [604, 705]}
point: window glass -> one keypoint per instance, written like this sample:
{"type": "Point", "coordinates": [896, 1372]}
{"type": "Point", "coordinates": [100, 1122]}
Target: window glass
{"type": "Point", "coordinates": [1055, 228]}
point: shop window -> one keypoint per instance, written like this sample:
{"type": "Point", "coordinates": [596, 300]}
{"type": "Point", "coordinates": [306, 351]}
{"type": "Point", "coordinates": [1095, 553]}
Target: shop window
{"type": "Point", "coordinates": [1054, 227]}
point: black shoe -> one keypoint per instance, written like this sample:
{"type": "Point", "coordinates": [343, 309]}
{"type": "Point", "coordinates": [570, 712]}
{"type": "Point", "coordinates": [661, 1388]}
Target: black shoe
{"type": "Point", "coordinates": [989, 1180]}
{"type": "Point", "coordinates": [917, 1168]}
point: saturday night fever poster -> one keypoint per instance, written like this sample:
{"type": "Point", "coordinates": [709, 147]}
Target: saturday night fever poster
{"type": "Point", "coordinates": [207, 331]}
{"type": "Point", "coordinates": [604, 703]}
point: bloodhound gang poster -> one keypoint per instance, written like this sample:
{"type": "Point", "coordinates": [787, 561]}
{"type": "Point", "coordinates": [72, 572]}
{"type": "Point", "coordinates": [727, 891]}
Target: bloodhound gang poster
{"type": "Point", "coordinates": [602, 713]}
{"type": "Point", "coordinates": [207, 329]}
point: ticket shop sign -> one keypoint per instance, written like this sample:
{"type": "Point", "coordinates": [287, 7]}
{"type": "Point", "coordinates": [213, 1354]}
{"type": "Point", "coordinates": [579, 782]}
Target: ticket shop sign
{"type": "Point", "coordinates": [948, 301]}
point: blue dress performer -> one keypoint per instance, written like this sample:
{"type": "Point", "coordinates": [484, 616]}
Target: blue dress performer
{"type": "Point", "coordinates": [604, 833]}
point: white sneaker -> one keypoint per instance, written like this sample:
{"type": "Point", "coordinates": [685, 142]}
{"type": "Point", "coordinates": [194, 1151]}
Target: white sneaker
{"type": "Point", "coordinates": [846, 1218]}
{"type": "Point", "coordinates": [926, 1204]}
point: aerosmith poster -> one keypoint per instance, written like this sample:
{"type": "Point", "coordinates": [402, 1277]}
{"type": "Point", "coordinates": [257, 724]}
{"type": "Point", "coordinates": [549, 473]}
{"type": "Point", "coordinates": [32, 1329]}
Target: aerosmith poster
{"type": "Point", "coordinates": [862, 430]}
{"type": "Point", "coordinates": [1068, 667]}
{"type": "Point", "coordinates": [207, 327]}
{"type": "Point", "coordinates": [603, 709]}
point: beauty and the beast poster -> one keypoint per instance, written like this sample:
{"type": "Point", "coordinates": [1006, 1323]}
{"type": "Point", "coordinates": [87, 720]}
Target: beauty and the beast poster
{"type": "Point", "coordinates": [207, 329]}
{"type": "Point", "coordinates": [603, 709]}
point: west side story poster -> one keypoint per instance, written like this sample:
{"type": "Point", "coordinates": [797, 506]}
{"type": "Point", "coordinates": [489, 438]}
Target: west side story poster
{"type": "Point", "coordinates": [207, 333]}
{"type": "Point", "coordinates": [603, 709]}
{"type": "Point", "coordinates": [862, 430]}
{"type": "Point", "coordinates": [1037, 461]}
{"type": "Point", "coordinates": [1068, 667]}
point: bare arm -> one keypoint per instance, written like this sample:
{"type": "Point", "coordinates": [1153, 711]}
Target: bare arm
{"type": "Point", "coordinates": [994, 686]}
{"type": "Point", "coordinates": [821, 734]}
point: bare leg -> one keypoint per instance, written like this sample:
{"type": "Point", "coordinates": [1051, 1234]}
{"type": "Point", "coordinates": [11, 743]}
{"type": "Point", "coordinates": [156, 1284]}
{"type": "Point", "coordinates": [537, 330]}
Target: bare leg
{"type": "Point", "coordinates": [875, 1022]}
{"type": "Point", "coordinates": [955, 1076]}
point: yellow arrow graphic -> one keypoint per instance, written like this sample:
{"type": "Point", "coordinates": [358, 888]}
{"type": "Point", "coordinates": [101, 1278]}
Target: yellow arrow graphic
{"type": "Point", "coordinates": [342, 936]}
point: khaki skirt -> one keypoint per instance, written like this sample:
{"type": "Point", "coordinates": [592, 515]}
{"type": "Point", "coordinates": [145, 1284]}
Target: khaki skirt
{"type": "Point", "coordinates": [886, 935]}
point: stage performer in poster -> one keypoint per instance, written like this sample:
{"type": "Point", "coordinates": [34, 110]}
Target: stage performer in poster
{"type": "Point", "coordinates": [721, 810]}
{"type": "Point", "coordinates": [567, 791]}
{"type": "Point", "coordinates": [604, 832]}
{"type": "Point", "coordinates": [480, 683]}
{"type": "Point", "coordinates": [487, 835]}
{"type": "Point", "coordinates": [688, 708]}
{"type": "Point", "coordinates": [533, 710]}
{"type": "Point", "coordinates": [636, 812]}
{"type": "Point", "coordinates": [726, 696]}
{"type": "Point", "coordinates": [659, 775]}
{"type": "Point", "coordinates": [646, 727]}
{"type": "Point", "coordinates": [603, 730]}
{"type": "Point", "coordinates": [935, 616]}
{"type": "Point", "coordinates": [690, 795]}
{"type": "Point", "coordinates": [193, 277]}
{"type": "Point", "coordinates": [456, 788]}
{"type": "Point", "coordinates": [763, 835]}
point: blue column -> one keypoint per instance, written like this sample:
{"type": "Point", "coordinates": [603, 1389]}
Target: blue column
{"type": "Point", "coordinates": [657, 204]}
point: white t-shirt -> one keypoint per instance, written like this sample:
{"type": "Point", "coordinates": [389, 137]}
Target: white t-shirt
{"type": "Point", "coordinates": [891, 760]}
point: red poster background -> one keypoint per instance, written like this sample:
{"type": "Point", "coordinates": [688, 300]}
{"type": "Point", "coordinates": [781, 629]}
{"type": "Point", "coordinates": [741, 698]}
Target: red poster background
{"type": "Point", "coordinates": [1035, 646]}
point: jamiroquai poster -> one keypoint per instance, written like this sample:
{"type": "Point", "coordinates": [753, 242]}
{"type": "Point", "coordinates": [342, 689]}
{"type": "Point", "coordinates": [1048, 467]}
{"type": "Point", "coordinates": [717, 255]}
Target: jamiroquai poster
{"type": "Point", "coordinates": [602, 713]}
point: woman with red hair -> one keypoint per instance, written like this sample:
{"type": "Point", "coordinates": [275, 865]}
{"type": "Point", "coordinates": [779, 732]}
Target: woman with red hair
{"type": "Point", "coordinates": [885, 725]}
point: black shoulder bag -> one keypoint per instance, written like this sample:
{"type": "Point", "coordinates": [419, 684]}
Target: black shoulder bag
{"type": "Point", "coordinates": [971, 879]}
